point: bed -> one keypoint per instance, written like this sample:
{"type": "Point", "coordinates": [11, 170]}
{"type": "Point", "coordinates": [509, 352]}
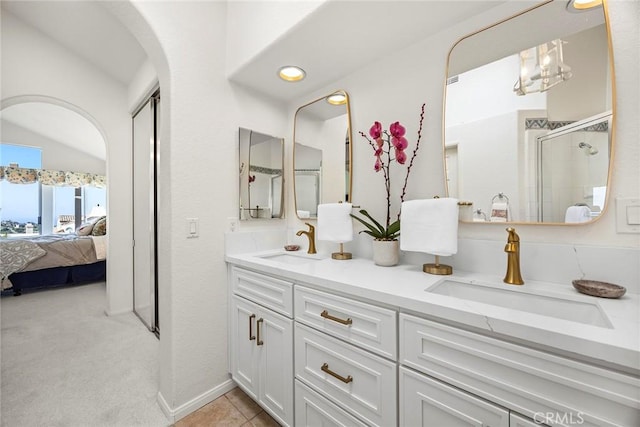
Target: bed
{"type": "Point", "coordinates": [50, 261]}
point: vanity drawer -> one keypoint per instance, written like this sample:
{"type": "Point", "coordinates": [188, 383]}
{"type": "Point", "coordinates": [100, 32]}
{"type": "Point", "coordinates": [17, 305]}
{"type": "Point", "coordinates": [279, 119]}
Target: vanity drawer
{"type": "Point", "coordinates": [365, 325]}
{"type": "Point", "coordinates": [427, 402]}
{"type": "Point", "coordinates": [528, 381]}
{"type": "Point", "coordinates": [314, 410]}
{"type": "Point", "coordinates": [270, 292]}
{"type": "Point", "coordinates": [358, 381]}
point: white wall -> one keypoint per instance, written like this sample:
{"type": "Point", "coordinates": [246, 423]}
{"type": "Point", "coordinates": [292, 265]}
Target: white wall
{"type": "Point", "coordinates": [201, 115]}
{"type": "Point", "coordinates": [55, 155]}
{"type": "Point", "coordinates": [33, 64]}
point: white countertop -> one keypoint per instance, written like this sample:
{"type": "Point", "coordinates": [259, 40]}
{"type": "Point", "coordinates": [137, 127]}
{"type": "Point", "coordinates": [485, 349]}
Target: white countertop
{"type": "Point", "coordinates": [403, 287]}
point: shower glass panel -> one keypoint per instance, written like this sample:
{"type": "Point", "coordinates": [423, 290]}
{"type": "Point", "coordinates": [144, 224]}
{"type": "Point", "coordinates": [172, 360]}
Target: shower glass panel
{"type": "Point", "coordinates": [573, 163]}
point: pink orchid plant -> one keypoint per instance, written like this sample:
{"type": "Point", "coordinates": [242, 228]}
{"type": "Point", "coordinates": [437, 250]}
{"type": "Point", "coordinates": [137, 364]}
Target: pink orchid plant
{"type": "Point", "coordinates": [385, 144]}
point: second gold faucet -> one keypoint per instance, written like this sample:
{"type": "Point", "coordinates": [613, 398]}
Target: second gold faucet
{"type": "Point", "coordinates": [512, 248]}
{"type": "Point", "coordinates": [311, 235]}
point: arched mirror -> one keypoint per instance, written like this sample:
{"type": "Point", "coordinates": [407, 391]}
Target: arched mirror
{"type": "Point", "coordinates": [261, 175]}
{"type": "Point", "coordinates": [322, 153]}
{"type": "Point", "coordinates": [529, 117]}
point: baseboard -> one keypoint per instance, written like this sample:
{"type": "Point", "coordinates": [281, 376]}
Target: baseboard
{"type": "Point", "coordinates": [195, 403]}
{"type": "Point", "coordinates": [117, 312]}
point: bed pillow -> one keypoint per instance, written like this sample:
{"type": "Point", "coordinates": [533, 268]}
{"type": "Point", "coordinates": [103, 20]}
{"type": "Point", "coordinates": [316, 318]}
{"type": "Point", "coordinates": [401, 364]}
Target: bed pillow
{"type": "Point", "coordinates": [100, 227]}
{"type": "Point", "coordinates": [85, 229]}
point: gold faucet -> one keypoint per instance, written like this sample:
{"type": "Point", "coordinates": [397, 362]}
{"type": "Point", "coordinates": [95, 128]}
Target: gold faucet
{"type": "Point", "coordinates": [311, 234]}
{"type": "Point", "coordinates": [512, 248]}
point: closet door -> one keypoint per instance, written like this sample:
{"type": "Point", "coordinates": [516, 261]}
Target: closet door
{"type": "Point", "coordinates": [144, 223]}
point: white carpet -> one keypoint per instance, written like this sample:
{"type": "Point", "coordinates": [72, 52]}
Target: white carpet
{"type": "Point", "coordinates": [65, 363]}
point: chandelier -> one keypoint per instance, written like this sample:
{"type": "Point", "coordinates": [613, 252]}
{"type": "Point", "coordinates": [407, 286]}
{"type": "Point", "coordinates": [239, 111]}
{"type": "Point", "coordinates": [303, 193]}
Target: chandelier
{"type": "Point", "coordinates": [541, 68]}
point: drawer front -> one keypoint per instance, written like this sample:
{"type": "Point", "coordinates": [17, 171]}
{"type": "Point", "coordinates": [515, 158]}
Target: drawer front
{"type": "Point", "coordinates": [516, 420]}
{"type": "Point", "coordinates": [525, 380]}
{"type": "Point", "coordinates": [358, 381]}
{"type": "Point", "coordinates": [313, 410]}
{"type": "Point", "coordinates": [427, 402]}
{"type": "Point", "coordinates": [267, 291]}
{"type": "Point", "coordinates": [365, 325]}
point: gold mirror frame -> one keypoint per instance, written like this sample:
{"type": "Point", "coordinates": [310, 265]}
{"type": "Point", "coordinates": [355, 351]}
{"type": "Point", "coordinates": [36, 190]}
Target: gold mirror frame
{"type": "Point", "coordinates": [324, 110]}
{"type": "Point", "coordinates": [253, 173]}
{"type": "Point", "coordinates": [610, 80]}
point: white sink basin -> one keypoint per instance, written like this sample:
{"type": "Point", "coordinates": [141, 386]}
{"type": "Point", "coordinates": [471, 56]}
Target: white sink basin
{"type": "Point", "coordinates": [290, 258]}
{"type": "Point", "coordinates": [545, 305]}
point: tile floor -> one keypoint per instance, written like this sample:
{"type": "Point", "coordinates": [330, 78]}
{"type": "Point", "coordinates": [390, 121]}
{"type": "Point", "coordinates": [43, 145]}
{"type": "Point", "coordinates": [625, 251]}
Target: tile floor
{"type": "Point", "coordinates": [233, 409]}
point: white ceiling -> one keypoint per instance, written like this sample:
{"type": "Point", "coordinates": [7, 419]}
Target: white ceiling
{"type": "Point", "coordinates": [343, 36]}
{"type": "Point", "coordinates": [87, 29]}
{"type": "Point", "coordinates": [92, 33]}
{"type": "Point", "coordinates": [58, 124]}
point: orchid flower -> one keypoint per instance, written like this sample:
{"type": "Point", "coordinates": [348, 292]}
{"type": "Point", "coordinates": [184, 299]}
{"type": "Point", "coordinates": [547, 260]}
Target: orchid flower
{"type": "Point", "coordinates": [382, 143]}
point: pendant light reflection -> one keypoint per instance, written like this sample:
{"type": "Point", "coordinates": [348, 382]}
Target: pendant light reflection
{"type": "Point", "coordinates": [541, 68]}
{"type": "Point", "coordinates": [337, 98]}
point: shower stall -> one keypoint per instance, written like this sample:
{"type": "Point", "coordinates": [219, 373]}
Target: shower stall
{"type": "Point", "coordinates": [573, 165]}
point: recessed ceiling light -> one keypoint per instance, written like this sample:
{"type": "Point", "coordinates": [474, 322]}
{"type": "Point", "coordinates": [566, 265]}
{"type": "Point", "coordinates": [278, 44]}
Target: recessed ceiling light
{"type": "Point", "coordinates": [337, 99]}
{"type": "Point", "coordinates": [578, 5]}
{"type": "Point", "coordinates": [291, 73]}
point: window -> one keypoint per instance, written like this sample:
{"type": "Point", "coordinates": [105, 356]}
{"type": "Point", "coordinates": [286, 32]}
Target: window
{"type": "Point", "coordinates": [42, 209]}
{"type": "Point", "coordinates": [20, 203]}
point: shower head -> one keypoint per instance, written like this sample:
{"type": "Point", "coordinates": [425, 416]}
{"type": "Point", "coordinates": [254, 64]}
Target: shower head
{"type": "Point", "coordinates": [589, 148]}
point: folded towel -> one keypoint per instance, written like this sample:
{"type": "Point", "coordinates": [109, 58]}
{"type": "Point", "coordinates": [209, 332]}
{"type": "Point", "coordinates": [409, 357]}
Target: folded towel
{"type": "Point", "coordinates": [499, 212]}
{"type": "Point", "coordinates": [430, 226]}
{"type": "Point", "coordinates": [576, 214]}
{"type": "Point", "coordinates": [334, 222]}
{"type": "Point", "coordinates": [303, 214]}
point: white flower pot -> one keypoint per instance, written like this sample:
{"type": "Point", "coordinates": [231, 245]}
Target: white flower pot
{"type": "Point", "coordinates": [386, 252]}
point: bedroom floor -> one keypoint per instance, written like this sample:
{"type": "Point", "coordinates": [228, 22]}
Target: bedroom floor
{"type": "Point", "coordinates": [64, 363]}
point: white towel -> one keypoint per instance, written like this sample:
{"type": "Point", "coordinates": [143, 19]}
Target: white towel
{"type": "Point", "coordinates": [334, 222]}
{"type": "Point", "coordinates": [303, 214]}
{"type": "Point", "coordinates": [499, 212]}
{"type": "Point", "coordinates": [430, 226]}
{"type": "Point", "coordinates": [576, 214]}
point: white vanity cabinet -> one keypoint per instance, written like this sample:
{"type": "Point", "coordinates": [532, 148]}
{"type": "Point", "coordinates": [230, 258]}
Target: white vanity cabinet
{"type": "Point", "coordinates": [339, 344]}
{"type": "Point", "coordinates": [353, 359]}
{"type": "Point", "coordinates": [546, 387]}
{"type": "Point", "coordinates": [261, 344]}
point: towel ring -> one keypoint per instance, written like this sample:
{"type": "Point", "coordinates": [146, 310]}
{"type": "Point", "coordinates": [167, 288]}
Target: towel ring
{"type": "Point", "coordinates": [499, 196]}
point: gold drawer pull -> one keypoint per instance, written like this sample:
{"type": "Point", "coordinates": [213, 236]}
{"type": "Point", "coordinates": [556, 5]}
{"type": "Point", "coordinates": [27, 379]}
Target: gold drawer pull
{"type": "Point", "coordinates": [251, 336]}
{"type": "Point", "coordinates": [258, 323]}
{"type": "Point", "coordinates": [326, 315]}
{"type": "Point", "coordinates": [325, 368]}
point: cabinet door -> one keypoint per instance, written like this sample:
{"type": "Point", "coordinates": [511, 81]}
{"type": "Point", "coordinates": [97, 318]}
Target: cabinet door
{"type": "Point", "coordinates": [244, 352]}
{"type": "Point", "coordinates": [427, 402]}
{"type": "Point", "coordinates": [274, 339]}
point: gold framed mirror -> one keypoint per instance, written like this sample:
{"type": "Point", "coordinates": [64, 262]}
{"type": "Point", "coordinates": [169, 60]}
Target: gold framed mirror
{"type": "Point", "coordinates": [322, 166]}
{"type": "Point", "coordinates": [529, 117]}
{"type": "Point", "coordinates": [261, 177]}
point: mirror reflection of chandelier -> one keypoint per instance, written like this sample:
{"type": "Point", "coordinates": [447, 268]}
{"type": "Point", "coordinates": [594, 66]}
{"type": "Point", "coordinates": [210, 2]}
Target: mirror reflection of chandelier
{"type": "Point", "coordinates": [541, 68]}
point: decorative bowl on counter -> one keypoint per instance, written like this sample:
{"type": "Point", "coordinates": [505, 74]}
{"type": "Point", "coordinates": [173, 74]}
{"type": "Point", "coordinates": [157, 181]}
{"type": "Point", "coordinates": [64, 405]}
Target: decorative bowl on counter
{"type": "Point", "coordinates": [291, 248]}
{"type": "Point", "coordinates": [599, 289]}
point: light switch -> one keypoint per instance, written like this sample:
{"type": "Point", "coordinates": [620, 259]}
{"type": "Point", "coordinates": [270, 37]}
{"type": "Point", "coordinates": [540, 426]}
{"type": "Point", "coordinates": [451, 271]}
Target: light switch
{"type": "Point", "coordinates": [627, 215]}
{"type": "Point", "coordinates": [192, 228]}
{"type": "Point", "coordinates": [633, 215]}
